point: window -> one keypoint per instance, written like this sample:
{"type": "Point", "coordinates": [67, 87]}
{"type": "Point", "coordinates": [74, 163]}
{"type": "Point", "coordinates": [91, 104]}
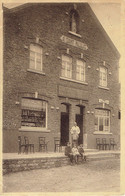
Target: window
{"type": "Point", "coordinates": [34, 113]}
{"type": "Point", "coordinates": [102, 120]}
{"type": "Point", "coordinates": [35, 57]}
{"type": "Point", "coordinates": [80, 70]}
{"type": "Point", "coordinates": [74, 21]}
{"type": "Point", "coordinates": [103, 77]}
{"type": "Point", "coordinates": [66, 70]}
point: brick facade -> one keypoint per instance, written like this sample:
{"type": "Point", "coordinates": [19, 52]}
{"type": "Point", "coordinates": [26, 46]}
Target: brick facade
{"type": "Point", "coordinates": [49, 22]}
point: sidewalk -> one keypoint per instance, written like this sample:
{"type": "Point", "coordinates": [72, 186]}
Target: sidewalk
{"type": "Point", "coordinates": [88, 152]}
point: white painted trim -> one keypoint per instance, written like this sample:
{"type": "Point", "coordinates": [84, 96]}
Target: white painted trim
{"type": "Point", "coordinates": [105, 88]}
{"type": "Point", "coordinates": [78, 35]}
{"type": "Point", "coordinates": [36, 71]}
{"type": "Point", "coordinates": [101, 133]}
{"type": "Point", "coordinates": [68, 79]}
{"type": "Point", "coordinates": [35, 129]}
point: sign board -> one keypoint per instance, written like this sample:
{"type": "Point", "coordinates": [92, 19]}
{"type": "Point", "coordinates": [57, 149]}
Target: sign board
{"type": "Point", "coordinates": [73, 42]}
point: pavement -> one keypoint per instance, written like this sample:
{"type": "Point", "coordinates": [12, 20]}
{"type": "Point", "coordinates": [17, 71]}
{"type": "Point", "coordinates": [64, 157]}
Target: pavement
{"type": "Point", "coordinates": [92, 176]}
{"type": "Point", "coordinates": [88, 152]}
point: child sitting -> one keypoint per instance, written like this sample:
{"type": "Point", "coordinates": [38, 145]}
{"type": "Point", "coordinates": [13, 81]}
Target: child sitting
{"type": "Point", "coordinates": [75, 153]}
{"type": "Point", "coordinates": [68, 152]}
{"type": "Point", "coordinates": [81, 152]}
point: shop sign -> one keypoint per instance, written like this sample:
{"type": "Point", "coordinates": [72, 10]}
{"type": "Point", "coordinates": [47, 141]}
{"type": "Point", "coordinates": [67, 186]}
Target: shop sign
{"type": "Point", "coordinates": [73, 42]}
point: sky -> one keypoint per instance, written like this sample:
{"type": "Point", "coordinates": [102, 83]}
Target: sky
{"type": "Point", "coordinates": [109, 16]}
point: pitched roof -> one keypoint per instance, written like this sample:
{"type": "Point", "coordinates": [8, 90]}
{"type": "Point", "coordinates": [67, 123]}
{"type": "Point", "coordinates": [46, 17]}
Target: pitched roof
{"type": "Point", "coordinates": [23, 6]}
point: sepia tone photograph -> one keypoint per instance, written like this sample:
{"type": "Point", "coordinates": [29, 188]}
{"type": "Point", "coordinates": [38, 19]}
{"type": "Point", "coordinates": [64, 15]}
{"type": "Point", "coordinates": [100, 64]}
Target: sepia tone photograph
{"type": "Point", "coordinates": [61, 97]}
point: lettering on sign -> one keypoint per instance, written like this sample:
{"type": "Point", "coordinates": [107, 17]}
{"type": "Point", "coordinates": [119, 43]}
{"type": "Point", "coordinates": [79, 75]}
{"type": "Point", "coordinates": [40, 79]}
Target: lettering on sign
{"type": "Point", "coordinates": [73, 42]}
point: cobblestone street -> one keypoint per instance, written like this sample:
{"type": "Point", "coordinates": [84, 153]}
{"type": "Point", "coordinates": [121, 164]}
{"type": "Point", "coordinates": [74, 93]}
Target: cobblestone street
{"type": "Point", "coordinates": [94, 176]}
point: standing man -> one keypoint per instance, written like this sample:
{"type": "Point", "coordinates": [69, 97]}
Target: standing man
{"type": "Point", "coordinates": [75, 131]}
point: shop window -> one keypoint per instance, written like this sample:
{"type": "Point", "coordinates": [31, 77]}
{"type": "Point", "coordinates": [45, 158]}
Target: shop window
{"type": "Point", "coordinates": [80, 70]}
{"type": "Point", "coordinates": [74, 21]}
{"type": "Point", "coordinates": [103, 77]}
{"type": "Point", "coordinates": [36, 57]}
{"type": "Point", "coordinates": [66, 69]}
{"type": "Point", "coordinates": [34, 113]}
{"type": "Point", "coordinates": [102, 120]}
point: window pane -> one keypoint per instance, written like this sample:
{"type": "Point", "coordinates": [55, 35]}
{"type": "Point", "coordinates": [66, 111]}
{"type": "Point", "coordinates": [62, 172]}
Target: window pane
{"type": "Point", "coordinates": [73, 27]}
{"type": "Point", "coordinates": [66, 70]}
{"type": "Point", "coordinates": [103, 76]}
{"type": "Point", "coordinates": [33, 113]}
{"type": "Point", "coordinates": [35, 57]}
{"type": "Point", "coordinates": [102, 120]}
{"type": "Point", "coordinates": [100, 124]}
{"type": "Point", "coordinates": [80, 70]}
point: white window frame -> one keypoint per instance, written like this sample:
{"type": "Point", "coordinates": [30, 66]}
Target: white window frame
{"type": "Point", "coordinates": [80, 70]}
{"type": "Point", "coordinates": [34, 128]}
{"type": "Point", "coordinates": [103, 76]}
{"type": "Point", "coordinates": [104, 116]}
{"type": "Point", "coordinates": [66, 68]}
{"type": "Point", "coordinates": [36, 57]}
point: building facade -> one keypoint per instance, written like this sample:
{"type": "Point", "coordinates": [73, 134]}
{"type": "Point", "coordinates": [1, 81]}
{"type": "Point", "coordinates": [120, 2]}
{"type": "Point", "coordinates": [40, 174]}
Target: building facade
{"type": "Point", "coordinates": [59, 67]}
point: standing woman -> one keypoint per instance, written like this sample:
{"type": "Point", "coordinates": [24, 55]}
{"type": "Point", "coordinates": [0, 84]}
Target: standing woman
{"type": "Point", "coordinates": [75, 131]}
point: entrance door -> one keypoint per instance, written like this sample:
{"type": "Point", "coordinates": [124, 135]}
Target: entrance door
{"type": "Point", "coordinates": [64, 128]}
{"type": "Point", "coordinates": [79, 120]}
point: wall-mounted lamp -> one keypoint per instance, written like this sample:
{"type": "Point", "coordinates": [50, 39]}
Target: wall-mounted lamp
{"type": "Point", "coordinates": [36, 95]}
{"type": "Point", "coordinates": [58, 57]}
{"type": "Point", "coordinates": [104, 63]}
{"type": "Point", "coordinates": [83, 20]}
{"type": "Point", "coordinates": [88, 112]}
{"type": "Point", "coordinates": [92, 112]}
{"type": "Point", "coordinates": [47, 54]}
{"type": "Point", "coordinates": [81, 55]}
{"type": "Point", "coordinates": [67, 13]}
{"type": "Point", "coordinates": [52, 107]}
{"type": "Point", "coordinates": [89, 67]}
{"type": "Point", "coordinates": [26, 47]}
{"type": "Point", "coordinates": [97, 69]}
{"type": "Point", "coordinates": [110, 73]}
{"type": "Point", "coordinates": [17, 102]}
{"type": "Point", "coordinates": [57, 108]}
{"type": "Point", "coordinates": [37, 40]}
{"type": "Point", "coordinates": [67, 50]}
{"type": "Point", "coordinates": [113, 115]}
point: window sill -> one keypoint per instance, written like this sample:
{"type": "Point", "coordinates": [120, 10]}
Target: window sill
{"type": "Point", "coordinates": [77, 35]}
{"type": "Point", "coordinates": [71, 80]}
{"type": "Point", "coordinates": [101, 133]}
{"type": "Point", "coordinates": [35, 129]}
{"type": "Point", "coordinates": [36, 71]}
{"type": "Point", "coordinates": [105, 88]}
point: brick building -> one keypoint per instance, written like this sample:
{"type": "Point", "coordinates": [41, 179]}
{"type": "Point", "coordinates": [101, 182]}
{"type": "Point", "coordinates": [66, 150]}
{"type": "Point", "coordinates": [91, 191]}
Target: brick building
{"type": "Point", "coordinates": [60, 66]}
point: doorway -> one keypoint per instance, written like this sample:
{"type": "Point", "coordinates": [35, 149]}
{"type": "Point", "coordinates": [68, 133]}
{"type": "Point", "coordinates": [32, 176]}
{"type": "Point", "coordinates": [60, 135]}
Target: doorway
{"type": "Point", "coordinates": [64, 124]}
{"type": "Point", "coordinates": [79, 121]}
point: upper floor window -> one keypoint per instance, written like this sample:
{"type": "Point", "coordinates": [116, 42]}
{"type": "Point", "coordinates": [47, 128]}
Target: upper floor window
{"type": "Point", "coordinates": [74, 21]}
{"type": "Point", "coordinates": [102, 120]}
{"type": "Point", "coordinates": [35, 57]}
{"type": "Point", "coordinates": [103, 77]}
{"type": "Point", "coordinates": [66, 69]}
{"type": "Point", "coordinates": [34, 113]}
{"type": "Point", "coordinates": [80, 70]}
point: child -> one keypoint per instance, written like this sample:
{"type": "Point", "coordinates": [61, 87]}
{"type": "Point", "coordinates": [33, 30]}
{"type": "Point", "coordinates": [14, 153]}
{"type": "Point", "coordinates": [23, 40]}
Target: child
{"type": "Point", "coordinates": [68, 152]}
{"type": "Point", "coordinates": [75, 153]}
{"type": "Point", "coordinates": [81, 152]}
